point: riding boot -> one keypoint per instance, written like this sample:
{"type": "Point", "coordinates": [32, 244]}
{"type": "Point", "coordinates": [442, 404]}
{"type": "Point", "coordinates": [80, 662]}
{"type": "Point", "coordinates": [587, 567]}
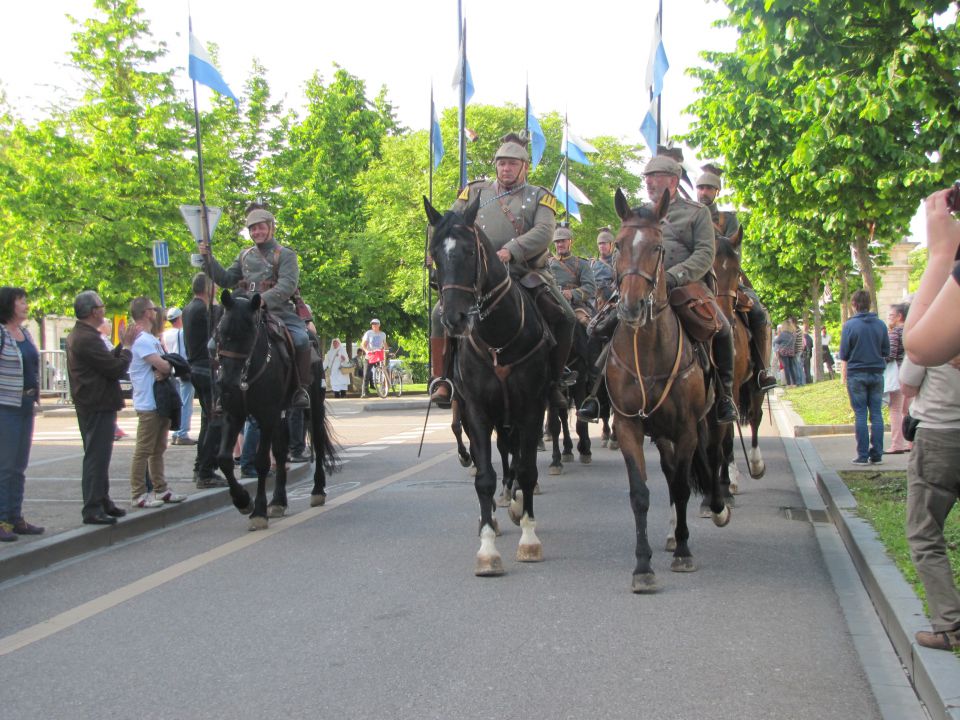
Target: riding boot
{"type": "Point", "coordinates": [589, 410]}
{"type": "Point", "coordinates": [440, 387]}
{"type": "Point", "coordinates": [725, 405]}
{"type": "Point", "coordinates": [760, 346]}
{"type": "Point", "coordinates": [302, 376]}
{"type": "Point", "coordinates": [561, 377]}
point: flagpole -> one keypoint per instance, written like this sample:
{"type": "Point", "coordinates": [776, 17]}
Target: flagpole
{"type": "Point", "coordinates": [526, 110]}
{"type": "Point", "coordinates": [426, 235]}
{"type": "Point", "coordinates": [566, 169]}
{"type": "Point", "coordinates": [463, 97]}
{"type": "Point", "coordinates": [660, 96]}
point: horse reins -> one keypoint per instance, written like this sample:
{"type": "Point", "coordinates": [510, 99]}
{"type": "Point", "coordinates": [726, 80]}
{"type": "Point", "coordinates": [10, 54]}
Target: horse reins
{"type": "Point", "coordinates": [247, 357]}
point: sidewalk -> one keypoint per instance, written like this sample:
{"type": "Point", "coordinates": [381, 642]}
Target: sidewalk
{"type": "Point", "coordinates": [934, 674]}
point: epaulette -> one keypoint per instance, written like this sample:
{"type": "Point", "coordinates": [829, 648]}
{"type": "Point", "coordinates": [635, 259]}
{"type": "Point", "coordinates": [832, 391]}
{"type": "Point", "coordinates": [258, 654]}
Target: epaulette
{"type": "Point", "coordinates": [465, 193]}
{"type": "Point", "coordinates": [548, 200]}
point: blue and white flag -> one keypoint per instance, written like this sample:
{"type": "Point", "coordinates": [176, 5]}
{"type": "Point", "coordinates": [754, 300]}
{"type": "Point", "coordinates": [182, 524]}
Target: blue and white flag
{"type": "Point", "coordinates": [657, 66]}
{"type": "Point", "coordinates": [538, 140]}
{"type": "Point", "coordinates": [575, 147]}
{"type": "Point", "coordinates": [202, 70]}
{"type": "Point", "coordinates": [572, 202]}
{"type": "Point", "coordinates": [648, 128]}
{"type": "Point", "coordinates": [436, 139]}
{"type": "Point", "coordinates": [461, 64]}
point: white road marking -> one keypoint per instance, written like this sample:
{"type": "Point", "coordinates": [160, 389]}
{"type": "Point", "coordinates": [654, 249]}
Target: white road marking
{"type": "Point", "coordinates": [84, 611]}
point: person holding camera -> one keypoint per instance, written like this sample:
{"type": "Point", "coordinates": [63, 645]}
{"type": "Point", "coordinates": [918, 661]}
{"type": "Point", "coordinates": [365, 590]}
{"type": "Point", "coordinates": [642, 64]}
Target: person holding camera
{"type": "Point", "coordinates": [933, 486]}
{"type": "Point", "coordinates": [932, 329]}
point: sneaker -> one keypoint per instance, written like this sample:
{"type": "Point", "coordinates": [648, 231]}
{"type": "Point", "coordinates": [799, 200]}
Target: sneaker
{"type": "Point", "coordinates": [147, 501]}
{"type": "Point", "coordinates": [299, 459]}
{"type": "Point", "coordinates": [204, 482]}
{"type": "Point", "coordinates": [859, 461]}
{"type": "Point", "coordinates": [876, 461]}
{"type": "Point", "coordinates": [183, 440]}
{"type": "Point", "coordinates": [169, 496]}
{"type": "Point", "coordinates": [22, 527]}
{"type": "Point", "coordinates": [6, 532]}
{"type": "Point", "coordinates": [118, 434]}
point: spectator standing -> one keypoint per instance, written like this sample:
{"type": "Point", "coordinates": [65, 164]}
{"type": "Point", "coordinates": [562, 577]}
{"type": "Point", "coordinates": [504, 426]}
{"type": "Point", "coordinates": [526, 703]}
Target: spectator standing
{"type": "Point", "coordinates": [147, 367]}
{"type": "Point", "coordinates": [899, 403]}
{"type": "Point", "coordinates": [173, 342]}
{"type": "Point", "coordinates": [933, 487]}
{"type": "Point", "coordinates": [784, 344]}
{"type": "Point", "coordinates": [19, 392]}
{"type": "Point", "coordinates": [335, 359]}
{"type": "Point", "coordinates": [798, 376]}
{"type": "Point", "coordinates": [864, 344]}
{"type": "Point", "coordinates": [374, 344]}
{"type": "Point", "coordinates": [825, 347]}
{"type": "Point", "coordinates": [196, 335]}
{"type": "Point", "coordinates": [807, 354]}
{"type": "Point", "coordinates": [95, 374]}
{"type": "Point", "coordinates": [106, 332]}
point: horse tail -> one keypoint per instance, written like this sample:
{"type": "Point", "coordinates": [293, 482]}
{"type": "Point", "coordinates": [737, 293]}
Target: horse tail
{"type": "Point", "coordinates": [324, 445]}
{"type": "Point", "coordinates": [702, 479]}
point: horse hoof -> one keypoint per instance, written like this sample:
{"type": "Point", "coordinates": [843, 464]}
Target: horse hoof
{"type": "Point", "coordinates": [275, 511]}
{"type": "Point", "coordinates": [530, 553]}
{"type": "Point", "coordinates": [644, 583]}
{"type": "Point", "coordinates": [705, 511]}
{"type": "Point", "coordinates": [464, 460]}
{"type": "Point", "coordinates": [604, 442]}
{"type": "Point", "coordinates": [567, 457]}
{"type": "Point", "coordinates": [515, 509]}
{"type": "Point", "coordinates": [729, 500]}
{"type": "Point", "coordinates": [671, 544]}
{"type": "Point", "coordinates": [318, 500]}
{"type": "Point", "coordinates": [734, 488]}
{"type": "Point", "coordinates": [757, 473]}
{"type": "Point", "coordinates": [555, 470]}
{"type": "Point", "coordinates": [488, 566]}
{"type": "Point", "coordinates": [541, 447]}
{"type": "Point", "coordinates": [536, 488]}
{"type": "Point", "coordinates": [257, 523]}
{"type": "Point", "coordinates": [586, 459]}
{"type": "Point", "coordinates": [496, 527]}
{"type": "Point", "coordinates": [472, 471]}
{"type": "Point", "coordinates": [246, 510]}
{"type": "Point", "coordinates": [503, 501]}
{"type": "Point", "coordinates": [613, 445]}
{"type": "Point", "coordinates": [722, 518]}
{"type": "Point", "coordinates": [683, 564]}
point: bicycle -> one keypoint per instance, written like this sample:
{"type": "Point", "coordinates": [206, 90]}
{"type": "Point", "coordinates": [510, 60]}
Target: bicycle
{"type": "Point", "coordinates": [396, 376]}
{"type": "Point", "coordinates": [379, 372]}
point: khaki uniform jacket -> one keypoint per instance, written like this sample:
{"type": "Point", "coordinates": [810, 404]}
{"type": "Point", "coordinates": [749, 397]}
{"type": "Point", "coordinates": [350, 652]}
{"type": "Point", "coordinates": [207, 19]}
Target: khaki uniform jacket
{"type": "Point", "coordinates": [688, 240]}
{"type": "Point", "coordinates": [255, 265]}
{"type": "Point", "coordinates": [522, 221]}
{"type": "Point", "coordinates": [575, 274]}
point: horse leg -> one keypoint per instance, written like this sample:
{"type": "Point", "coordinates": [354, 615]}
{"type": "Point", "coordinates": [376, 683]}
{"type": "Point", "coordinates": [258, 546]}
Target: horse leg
{"type": "Point", "coordinates": [509, 474]}
{"type": "Point", "coordinates": [755, 463]}
{"type": "Point", "coordinates": [530, 548]}
{"type": "Point", "coordinates": [614, 443]}
{"type": "Point", "coordinates": [719, 456]}
{"type": "Point", "coordinates": [488, 563]}
{"type": "Point", "coordinates": [228, 438]}
{"type": "Point", "coordinates": [583, 442]}
{"type": "Point", "coordinates": [553, 425]}
{"type": "Point", "coordinates": [668, 466]}
{"type": "Point", "coordinates": [258, 518]}
{"type": "Point", "coordinates": [644, 580]}
{"type": "Point", "coordinates": [564, 416]}
{"type": "Point", "coordinates": [676, 464]}
{"type": "Point", "coordinates": [463, 455]}
{"type": "Point", "coordinates": [281, 443]}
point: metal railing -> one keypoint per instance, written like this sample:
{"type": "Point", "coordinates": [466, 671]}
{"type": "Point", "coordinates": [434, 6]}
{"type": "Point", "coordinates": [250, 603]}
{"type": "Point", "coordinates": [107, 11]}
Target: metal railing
{"type": "Point", "coordinates": [54, 379]}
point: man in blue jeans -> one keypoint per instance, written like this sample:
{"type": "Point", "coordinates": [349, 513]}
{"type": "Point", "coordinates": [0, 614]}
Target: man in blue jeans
{"type": "Point", "coordinates": [864, 344]}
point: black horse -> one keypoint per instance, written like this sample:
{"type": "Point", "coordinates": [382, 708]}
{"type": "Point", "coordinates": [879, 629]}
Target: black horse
{"type": "Point", "coordinates": [256, 378]}
{"type": "Point", "coordinates": [499, 373]}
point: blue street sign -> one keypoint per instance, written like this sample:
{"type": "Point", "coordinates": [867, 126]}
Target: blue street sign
{"type": "Point", "coordinates": [161, 254]}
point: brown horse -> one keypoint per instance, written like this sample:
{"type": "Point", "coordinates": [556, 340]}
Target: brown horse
{"type": "Point", "coordinates": [657, 387]}
{"type": "Point", "coordinates": [726, 267]}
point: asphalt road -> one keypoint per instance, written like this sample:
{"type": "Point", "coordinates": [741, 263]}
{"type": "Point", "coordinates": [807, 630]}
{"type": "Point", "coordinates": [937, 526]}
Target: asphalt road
{"type": "Point", "coordinates": [368, 607]}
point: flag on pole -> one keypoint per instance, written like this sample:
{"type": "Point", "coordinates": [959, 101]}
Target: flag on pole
{"type": "Point", "coordinates": [463, 68]}
{"type": "Point", "coordinates": [203, 71]}
{"type": "Point", "coordinates": [571, 203]}
{"type": "Point", "coordinates": [538, 140]}
{"type": "Point", "coordinates": [657, 66]}
{"type": "Point", "coordinates": [436, 139]}
{"type": "Point", "coordinates": [575, 147]}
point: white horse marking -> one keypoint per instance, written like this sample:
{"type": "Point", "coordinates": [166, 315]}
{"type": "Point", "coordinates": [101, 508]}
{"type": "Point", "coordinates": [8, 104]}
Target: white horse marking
{"type": "Point", "coordinates": [448, 245]}
{"type": "Point", "coordinates": [637, 239]}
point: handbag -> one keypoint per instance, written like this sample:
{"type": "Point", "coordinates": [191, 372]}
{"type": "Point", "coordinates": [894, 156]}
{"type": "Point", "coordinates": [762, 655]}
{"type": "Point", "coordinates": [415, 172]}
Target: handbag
{"type": "Point", "coordinates": [909, 428]}
{"type": "Point", "coordinates": [891, 377]}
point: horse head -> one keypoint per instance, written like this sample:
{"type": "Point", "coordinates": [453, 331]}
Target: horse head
{"type": "Point", "coordinates": [640, 271]}
{"type": "Point", "coordinates": [726, 266]}
{"type": "Point", "coordinates": [236, 334]}
{"type": "Point", "coordinates": [459, 253]}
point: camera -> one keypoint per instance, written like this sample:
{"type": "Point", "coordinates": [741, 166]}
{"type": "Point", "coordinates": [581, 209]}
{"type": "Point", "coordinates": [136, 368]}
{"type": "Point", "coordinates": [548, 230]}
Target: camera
{"type": "Point", "coordinates": [953, 198]}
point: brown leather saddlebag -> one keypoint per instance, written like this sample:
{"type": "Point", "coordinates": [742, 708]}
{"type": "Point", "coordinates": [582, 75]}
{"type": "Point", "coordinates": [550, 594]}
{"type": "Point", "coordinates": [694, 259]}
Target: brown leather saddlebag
{"type": "Point", "coordinates": [697, 310]}
{"type": "Point", "coordinates": [744, 303]}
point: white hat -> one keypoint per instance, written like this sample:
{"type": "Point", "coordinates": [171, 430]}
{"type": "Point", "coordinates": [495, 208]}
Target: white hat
{"type": "Point", "coordinates": [374, 322]}
{"type": "Point", "coordinates": [173, 313]}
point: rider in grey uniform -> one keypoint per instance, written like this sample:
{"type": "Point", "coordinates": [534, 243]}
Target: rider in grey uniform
{"type": "Point", "coordinates": [604, 266]}
{"type": "Point", "coordinates": [574, 276]}
{"type": "Point", "coordinates": [689, 248]}
{"type": "Point", "coordinates": [519, 220]}
{"type": "Point", "coordinates": [726, 223]}
{"type": "Point", "coordinates": [272, 270]}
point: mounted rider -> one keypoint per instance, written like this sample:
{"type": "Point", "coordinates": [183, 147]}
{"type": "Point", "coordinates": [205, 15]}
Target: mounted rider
{"type": "Point", "coordinates": [574, 276]}
{"type": "Point", "coordinates": [519, 220]}
{"type": "Point", "coordinates": [604, 266]}
{"type": "Point", "coordinates": [726, 224]}
{"type": "Point", "coordinates": [272, 270]}
{"type": "Point", "coordinates": [689, 247]}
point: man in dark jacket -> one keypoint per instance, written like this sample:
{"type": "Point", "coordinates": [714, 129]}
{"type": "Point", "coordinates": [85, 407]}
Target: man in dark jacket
{"type": "Point", "coordinates": [864, 344]}
{"type": "Point", "coordinates": [95, 374]}
{"type": "Point", "coordinates": [196, 335]}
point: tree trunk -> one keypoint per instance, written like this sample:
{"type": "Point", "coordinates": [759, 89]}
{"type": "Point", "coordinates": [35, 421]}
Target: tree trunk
{"type": "Point", "coordinates": [817, 327]}
{"type": "Point", "coordinates": [865, 263]}
{"type": "Point", "coordinates": [844, 300]}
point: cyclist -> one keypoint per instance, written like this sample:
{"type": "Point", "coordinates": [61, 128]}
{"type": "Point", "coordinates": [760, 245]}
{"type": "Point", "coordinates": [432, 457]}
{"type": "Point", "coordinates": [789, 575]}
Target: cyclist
{"type": "Point", "coordinates": [374, 344]}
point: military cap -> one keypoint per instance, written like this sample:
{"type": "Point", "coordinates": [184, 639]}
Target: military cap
{"type": "Point", "coordinates": [662, 164]}
{"type": "Point", "coordinates": [605, 235]}
{"type": "Point", "coordinates": [513, 146]}
{"type": "Point", "coordinates": [709, 179]}
{"type": "Point", "coordinates": [258, 216]}
{"type": "Point", "coordinates": [562, 233]}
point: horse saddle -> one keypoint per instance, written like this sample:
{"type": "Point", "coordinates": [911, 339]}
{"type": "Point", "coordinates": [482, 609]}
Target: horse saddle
{"type": "Point", "coordinates": [277, 331]}
{"type": "Point", "coordinates": [532, 280]}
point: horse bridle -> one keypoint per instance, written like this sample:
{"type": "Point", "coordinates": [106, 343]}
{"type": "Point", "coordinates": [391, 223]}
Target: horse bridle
{"type": "Point", "coordinates": [247, 357]}
{"type": "Point", "coordinates": [649, 310]}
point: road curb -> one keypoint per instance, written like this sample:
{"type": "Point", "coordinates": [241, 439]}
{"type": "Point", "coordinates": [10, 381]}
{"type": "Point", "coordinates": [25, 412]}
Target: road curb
{"type": "Point", "coordinates": [19, 561]}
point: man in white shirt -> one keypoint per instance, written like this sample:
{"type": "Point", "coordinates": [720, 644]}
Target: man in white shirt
{"type": "Point", "coordinates": [146, 368]}
{"type": "Point", "coordinates": [373, 341]}
{"type": "Point", "coordinates": [173, 342]}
